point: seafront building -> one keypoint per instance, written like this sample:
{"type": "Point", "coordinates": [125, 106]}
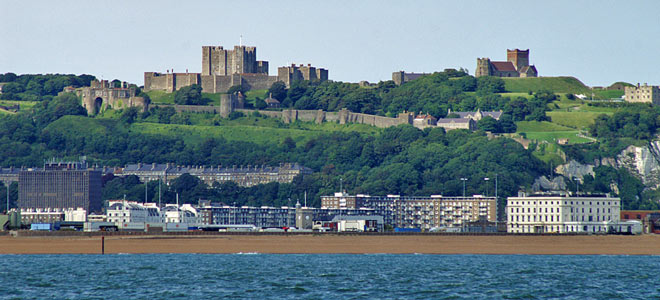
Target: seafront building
{"type": "Point", "coordinates": [273, 217]}
{"type": "Point", "coordinates": [566, 214]}
{"type": "Point", "coordinates": [423, 212]}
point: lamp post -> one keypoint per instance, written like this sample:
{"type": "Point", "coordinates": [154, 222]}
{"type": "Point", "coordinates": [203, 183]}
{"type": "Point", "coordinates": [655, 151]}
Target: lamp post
{"type": "Point", "coordinates": [486, 179]}
{"type": "Point", "coordinates": [464, 180]}
{"type": "Point", "coordinates": [577, 186]}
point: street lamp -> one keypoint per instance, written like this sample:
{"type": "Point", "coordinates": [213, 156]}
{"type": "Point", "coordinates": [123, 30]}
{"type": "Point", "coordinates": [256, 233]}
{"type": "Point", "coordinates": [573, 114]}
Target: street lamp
{"type": "Point", "coordinates": [464, 180]}
{"type": "Point", "coordinates": [486, 179]}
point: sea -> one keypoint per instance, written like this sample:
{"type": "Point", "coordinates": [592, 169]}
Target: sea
{"type": "Point", "coordinates": [328, 276]}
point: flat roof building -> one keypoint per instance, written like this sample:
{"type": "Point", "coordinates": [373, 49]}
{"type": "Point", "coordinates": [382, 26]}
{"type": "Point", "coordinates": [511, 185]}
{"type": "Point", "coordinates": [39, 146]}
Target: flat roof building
{"type": "Point", "coordinates": [60, 186]}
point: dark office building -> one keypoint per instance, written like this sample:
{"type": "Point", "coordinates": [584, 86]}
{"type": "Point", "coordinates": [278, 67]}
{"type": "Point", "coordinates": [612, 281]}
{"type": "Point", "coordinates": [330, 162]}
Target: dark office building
{"type": "Point", "coordinates": [60, 186]}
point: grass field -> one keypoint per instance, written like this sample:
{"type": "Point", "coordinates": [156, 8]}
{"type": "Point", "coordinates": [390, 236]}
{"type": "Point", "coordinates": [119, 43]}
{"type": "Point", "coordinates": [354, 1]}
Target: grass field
{"type": "Point", "coordinates": [550, 132]}
{"type": "Point", "coordinates": [23, 104]}
{"type": "Point", "coordinates": [161, 97]}
{"type": "Point", "coordinates": [553, 84]}
{"type": "Point", "coordinates": [573, 119]}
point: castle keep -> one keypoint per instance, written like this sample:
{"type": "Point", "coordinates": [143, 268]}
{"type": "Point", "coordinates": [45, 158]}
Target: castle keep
{"type": "Point", "coordinates": [516, 65]}
{"type": "Point", "coordinates": [223, 69]}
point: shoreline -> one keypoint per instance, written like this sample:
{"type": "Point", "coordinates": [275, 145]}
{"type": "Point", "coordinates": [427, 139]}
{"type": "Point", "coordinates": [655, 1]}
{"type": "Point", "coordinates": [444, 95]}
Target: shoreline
{"type": "Point", "coordinates": [336, 244]}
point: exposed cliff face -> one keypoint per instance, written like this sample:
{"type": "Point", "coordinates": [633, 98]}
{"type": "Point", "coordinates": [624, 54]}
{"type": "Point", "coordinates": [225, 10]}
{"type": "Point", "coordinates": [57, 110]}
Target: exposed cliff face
{"type": "Point", "coordinates": [643, 162]}
{"type": "Point", "coordinates": [575, 169]}
{"type": "Point", "coordinates": [544, 184]}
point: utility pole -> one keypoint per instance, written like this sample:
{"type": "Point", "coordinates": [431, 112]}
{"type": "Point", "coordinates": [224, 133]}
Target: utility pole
{"type": "Point", "coordinates": [145, 190]}
{"type": "Point", "coordinates": [7, 185]}
{"type": "Point", "coordinates": [464, 180]}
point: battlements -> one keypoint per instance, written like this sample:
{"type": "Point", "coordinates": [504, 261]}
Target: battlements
{"type": "Point", "coordinates": [242, 59]}
{"type": "Point", "coordinates": [224, 68]}
{"type": "Point", "coordinates": [295, 72]}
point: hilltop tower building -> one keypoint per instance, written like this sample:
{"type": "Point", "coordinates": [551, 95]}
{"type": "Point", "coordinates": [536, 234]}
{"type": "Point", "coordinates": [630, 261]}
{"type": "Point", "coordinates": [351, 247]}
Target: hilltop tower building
{"type": "Point", "coordinates": [517, 65]}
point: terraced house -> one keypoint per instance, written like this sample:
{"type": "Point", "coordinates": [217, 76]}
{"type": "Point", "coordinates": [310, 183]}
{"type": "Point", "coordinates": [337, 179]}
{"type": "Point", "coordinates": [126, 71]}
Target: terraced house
{"type": "Point", "coordinates": [245, 176]}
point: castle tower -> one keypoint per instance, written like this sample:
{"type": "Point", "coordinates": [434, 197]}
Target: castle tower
{"type": "Point", "coordinates": [243, 59]}
{"type": "Point", "coordinates": [519, 58]}
{"type": "Point", "coordinates": [483, 67]}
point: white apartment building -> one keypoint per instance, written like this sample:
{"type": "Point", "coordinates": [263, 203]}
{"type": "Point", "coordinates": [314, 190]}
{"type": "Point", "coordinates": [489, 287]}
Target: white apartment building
{"type": "Point", "coordinates": [125, 212]}
{"type": "Point", "coordinates": [180, 214]}
{"type": "Point", "coordinates": [564, 214]}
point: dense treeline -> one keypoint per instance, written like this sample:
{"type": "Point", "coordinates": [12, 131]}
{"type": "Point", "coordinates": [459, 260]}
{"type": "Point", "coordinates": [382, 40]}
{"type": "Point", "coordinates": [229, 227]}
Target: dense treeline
{"type": "Point", "coordinates": [399, 160]}
{"type": "Point", "coordinates": [639, 122]}
{"type": "Point", "coordinates": [38, 87]}
{"type": "Point", "coordinates": [434, 94]}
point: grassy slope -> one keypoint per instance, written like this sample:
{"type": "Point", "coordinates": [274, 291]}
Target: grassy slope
{"type": "Point", "coordinates": [249, 128]}
{"type": "Point", "coordinates": [550, 132]}
{"type": "Point", "coordinates": [81, 126]}
{"type": "Point", "coordinates": [554, 84]}
{"type": "Point", "coordinates": [23, 104]}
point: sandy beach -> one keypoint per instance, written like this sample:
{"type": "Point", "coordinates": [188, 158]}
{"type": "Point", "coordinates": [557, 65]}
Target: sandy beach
{"type": "Point", "coordinates": [627, 245]}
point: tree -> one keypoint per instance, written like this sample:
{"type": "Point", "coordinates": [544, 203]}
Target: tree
{"type": "Point", "coordinates": [278, 90]}
{"type": "Point", "coordinates": [189, 95]}
{"type": "Point", "coordinates": [164, 114]}
{"type": "Point", "coordinates": [490, 84]}
{"type": "Point", "coordinates": [507, 124]}
{"type": "Point", "coordinates": [260, 103]}
{"type": "Point", "coordinates": [129, 114]}
{"type": "Point", "coordinates": [489, 124]}
{"type": "Point", "coordinates": [236, 89]}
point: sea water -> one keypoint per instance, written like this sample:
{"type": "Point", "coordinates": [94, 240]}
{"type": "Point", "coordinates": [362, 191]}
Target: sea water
{"type": "Point", "coordinates": [328, 276]}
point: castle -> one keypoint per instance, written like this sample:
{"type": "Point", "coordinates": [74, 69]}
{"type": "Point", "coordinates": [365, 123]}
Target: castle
{"type": "Point", "coordinates": [517, 65]}
{"type": "Point", "coordinates": [224, 68]}
{"type": "Point", "coordinates": [100, 95]}
{"type": "Point", "coordinates": [402, 77]}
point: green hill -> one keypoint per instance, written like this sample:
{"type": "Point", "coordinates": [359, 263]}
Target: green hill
{"type": "Point", "coordinates": [553, 84]}
{"type": "Point", "coordinates": [79, 126]}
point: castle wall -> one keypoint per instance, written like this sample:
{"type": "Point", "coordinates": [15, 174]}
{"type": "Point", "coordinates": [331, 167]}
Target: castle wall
{"type": "Point", "coordinates": [185, 79]}
{"type": "Point", "coordinates": [154, 81]}
{"type": "Point", "coordinates": [257, 81]}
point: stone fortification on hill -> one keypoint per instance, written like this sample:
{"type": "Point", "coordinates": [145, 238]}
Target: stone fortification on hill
{"type": "Point", "coordinates": [231, 103]}
{"type": "Point", "coordinates": [100, 95]}
{"type": "Point", "coordinates": [223, 69]}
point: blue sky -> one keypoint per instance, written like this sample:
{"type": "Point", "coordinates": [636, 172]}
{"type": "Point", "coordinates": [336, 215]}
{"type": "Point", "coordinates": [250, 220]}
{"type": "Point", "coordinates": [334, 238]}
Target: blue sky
{"type": "Point", "coordinates": [599, 42]}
